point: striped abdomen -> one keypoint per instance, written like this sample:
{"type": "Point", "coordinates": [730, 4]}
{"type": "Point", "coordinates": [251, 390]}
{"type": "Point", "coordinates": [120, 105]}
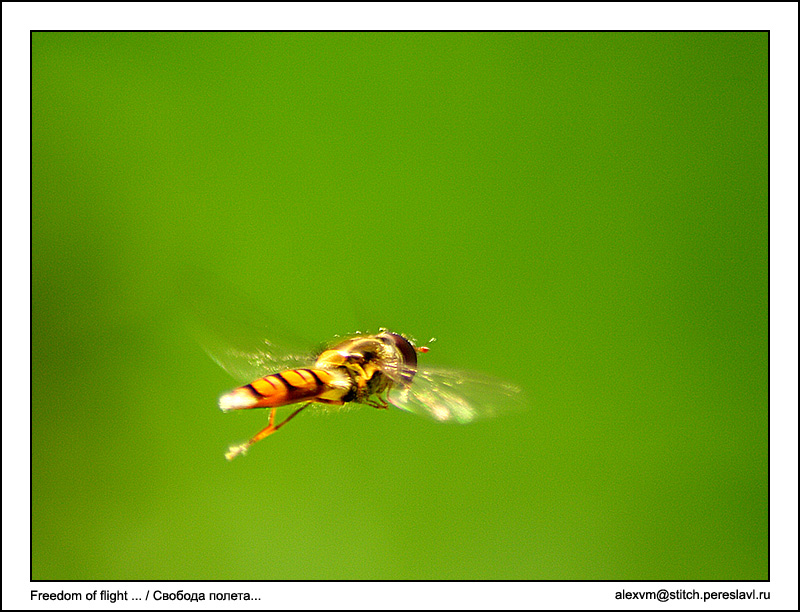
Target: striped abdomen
{"type": "Point", "coordinates": [288, 387]}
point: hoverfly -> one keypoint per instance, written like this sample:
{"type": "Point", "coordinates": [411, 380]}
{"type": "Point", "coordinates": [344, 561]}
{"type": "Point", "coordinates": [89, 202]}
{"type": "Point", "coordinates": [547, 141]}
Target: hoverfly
{"type": "Point", "coordinates": [376, 370]}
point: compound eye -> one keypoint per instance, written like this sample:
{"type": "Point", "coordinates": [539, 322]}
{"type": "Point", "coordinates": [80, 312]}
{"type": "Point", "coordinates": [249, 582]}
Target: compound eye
{"type": "Point", "coordinates": [409, 356]}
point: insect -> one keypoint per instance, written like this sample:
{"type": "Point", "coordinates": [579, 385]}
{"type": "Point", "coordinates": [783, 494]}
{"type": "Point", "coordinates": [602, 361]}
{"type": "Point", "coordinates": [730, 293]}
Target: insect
{"type": "Point", "coordinates": [376, 370]}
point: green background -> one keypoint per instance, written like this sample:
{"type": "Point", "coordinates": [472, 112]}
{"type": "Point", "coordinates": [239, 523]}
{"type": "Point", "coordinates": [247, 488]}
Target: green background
{"type": "Point", "coordinates": [584, 214]}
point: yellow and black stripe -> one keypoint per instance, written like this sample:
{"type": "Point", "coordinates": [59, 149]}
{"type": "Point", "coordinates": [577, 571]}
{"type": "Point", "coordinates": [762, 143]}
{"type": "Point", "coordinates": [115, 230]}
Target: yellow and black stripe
{"type": "Point", "coordinates": [288, 387]}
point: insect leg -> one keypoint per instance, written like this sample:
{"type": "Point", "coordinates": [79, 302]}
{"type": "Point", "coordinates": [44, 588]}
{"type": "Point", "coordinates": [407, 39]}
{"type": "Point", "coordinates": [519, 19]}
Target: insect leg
{"type": "Point", "coordinates": [378, 402]}
{"type": "Point", "coordinates": [240, 449]}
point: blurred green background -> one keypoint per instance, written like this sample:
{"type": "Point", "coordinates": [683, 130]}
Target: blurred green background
{"type": "Point", "coordinates": [584, 214]}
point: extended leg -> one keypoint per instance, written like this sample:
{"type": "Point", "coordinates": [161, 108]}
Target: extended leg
{"type": "Point", "coordinates": [377, 401]}
{"type": "Point", "coordinates": [240, 449]}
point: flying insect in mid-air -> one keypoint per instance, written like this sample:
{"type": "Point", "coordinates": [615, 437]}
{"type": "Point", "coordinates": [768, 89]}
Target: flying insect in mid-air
{"type": "Point", "coordinates": [377, 370]}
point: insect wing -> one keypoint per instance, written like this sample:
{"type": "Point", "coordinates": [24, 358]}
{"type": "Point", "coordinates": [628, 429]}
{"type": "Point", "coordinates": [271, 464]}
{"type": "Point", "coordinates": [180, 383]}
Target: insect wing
{"type": "Point", "coordinates": [247, 359]}
{"type": "Point", "coordinates": [247, 346]}
{"type": "Point", "coordinates": [456, 396]}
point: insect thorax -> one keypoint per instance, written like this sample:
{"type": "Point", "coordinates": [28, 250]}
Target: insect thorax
{"type": "Point", "coordinates": [373, 364]}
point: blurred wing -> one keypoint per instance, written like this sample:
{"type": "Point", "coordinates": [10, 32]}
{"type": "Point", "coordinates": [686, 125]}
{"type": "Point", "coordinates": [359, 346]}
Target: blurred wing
{"type": "Point", "coordinates": [248, 358]}
{"type": "Point", "coordinates": [237, 335]}
{"type": "Point", "coordinates": [456, 395]}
